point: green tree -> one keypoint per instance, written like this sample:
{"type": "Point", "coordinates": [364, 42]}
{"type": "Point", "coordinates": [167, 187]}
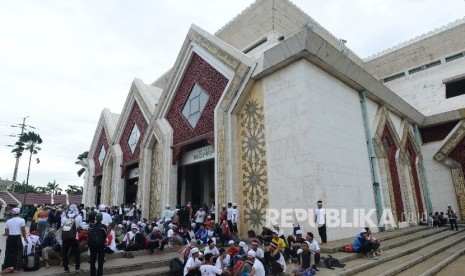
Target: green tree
{"type": "Point", "coordinates": [74, 190]}
{"type": "Point", "coordinates": [28, 141]}
{"type": "Point", "coordinates": [82, 160]}
{"type": "Point", "coordinates": [41, 190]}
{"type": "Point", "coordinates": [25, 188]}
{"type": "Point", "coordinates": [53, 188]}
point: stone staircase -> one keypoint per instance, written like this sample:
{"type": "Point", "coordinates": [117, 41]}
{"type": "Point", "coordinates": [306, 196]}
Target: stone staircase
{"type": "Point", "coordinates": [409, 251]}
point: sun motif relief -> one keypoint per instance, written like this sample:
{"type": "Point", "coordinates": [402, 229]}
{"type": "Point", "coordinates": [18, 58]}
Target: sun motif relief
{"type": "Point", "coordinates": [254, 175]}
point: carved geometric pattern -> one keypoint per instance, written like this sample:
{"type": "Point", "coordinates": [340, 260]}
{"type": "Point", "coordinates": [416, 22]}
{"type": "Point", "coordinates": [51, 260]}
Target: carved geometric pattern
{"type": "Point", "coordinates": [457, 143]}
{"type": "Point", "coordinates": [213, 83]}
{"type": "Point", "coordinates": [457, 175]}
{"type": "Point", "coordinates": [436, 133]}
{"type": "Point", "coordinates": [101, 142]}
{"type": "Point", "coordinates": [391, 149]}
{"type": "Point", "coordinates": [411, 159]}
{"type": "Point", "coordinates": [253, 164]}
{"type": "Point", "coordinates": [136, 117]}
{"type": "Point", "coordinates": [155, 182]}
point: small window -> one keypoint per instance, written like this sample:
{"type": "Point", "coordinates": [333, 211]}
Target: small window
{"type": "Point", "coordinates": [455, 88]}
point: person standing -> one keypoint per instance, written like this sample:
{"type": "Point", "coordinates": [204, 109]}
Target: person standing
{"type": "Point", "coordinates": [71, 222]}
{"type": "Point", "coordinates": [320, 221]}
{"type": "Point", "coordinates": [235, 215]}
{"type": "Point", "coordinates": [199, 219]}
{"type": "Point", "coordinates": [229, 216]}
{"type": "Point", "coordinates": [452, 218]}
{"type": "Point", "coordinates": [97, 238]}
{"type": "Point", "coordinates": [15, 230]}
{"type": "Point", "coordinates": [106, 218]}
{"type": "Point", "coordinates": [213, 211]}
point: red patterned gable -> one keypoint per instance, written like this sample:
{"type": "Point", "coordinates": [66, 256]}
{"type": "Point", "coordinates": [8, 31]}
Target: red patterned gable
{"type": "Point", "coordinates": [213, 83]}
{"type": "Point", "coordinates": [102, 141]}
{"type": "Point", "coordinates": [135, 117]}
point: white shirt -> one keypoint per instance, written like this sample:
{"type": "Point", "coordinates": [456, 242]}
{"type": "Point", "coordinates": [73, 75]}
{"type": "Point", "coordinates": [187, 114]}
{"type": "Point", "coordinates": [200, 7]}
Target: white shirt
{"type": "Point", "coordinates": [235, 213]}
{"type": "Point", "coordinates": [167, 215]}
{"type": "Point", "coordinates": [106, 219]}
{"type": "Point", "coordinates": [112, 245]}
{"type": "Point", "coordinates": [282, 261]}
{"type": "Point", "coordinates": [223, 262]}
{"type": "Point", "coordinates": [314, 246]}
{"type": "Point", "coordinates": [84, 214]}
{"type": "Point", "coordinates": [320, 216]}
{"type": "Point", "coordinates": [190, 263]}
{"type": "Point", "coordinates": [259, 268]}
{"type": "Point", "coordinates": [200, 216]}
{"type": "Point", "coordinates": [169, 234]}
{"type": "Point", "coordinates": [129, 236]}
{"type": "Point", "coordinates": [77, 221]}
{"type": "Point", "coordinates": [229, 214]}
{"type": "Point", "coordinates": [32, 240]}
{"type": "Point", "coordinates": [14, 225]}
{"type": "Point", "coordinates": [259, 253]}
{"type": "Point", "coordinates": [214, 251]}
{"type": "Point", "coordinates": [210, 270]}
{"type": "Point", "coordinates": [130, 213]}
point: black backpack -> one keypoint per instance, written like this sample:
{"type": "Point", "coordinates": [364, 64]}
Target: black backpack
{"type": "Point", "coordinates": [176, 267]}
{"type": "Point", "coordinates": [69, 228]}
{"type": "Point", "coordinates": [331, 262]}
{"type": "Point", "coordinates": [31, 262]}
{"type": "Point", "coordinates": [96, 236]}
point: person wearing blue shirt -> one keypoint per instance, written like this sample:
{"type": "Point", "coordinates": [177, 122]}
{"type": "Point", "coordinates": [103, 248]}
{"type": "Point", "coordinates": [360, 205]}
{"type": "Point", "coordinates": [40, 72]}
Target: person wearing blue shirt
{"type": "Point", "coordinates": [361, 244]}
{"type": "Point", "coordinates": [202, 234]}
{"type": "Point", "coordinates": [51, 247]}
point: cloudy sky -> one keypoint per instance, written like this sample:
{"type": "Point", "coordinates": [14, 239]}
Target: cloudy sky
{"type": "Point", "coordinates": [62, 62]}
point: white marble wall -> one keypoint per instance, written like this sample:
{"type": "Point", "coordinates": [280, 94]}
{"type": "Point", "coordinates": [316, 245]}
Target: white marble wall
{"type": "Point", "coordinates": [426, 91]}
{"type": "Point", "coordinates": [316, 147]}
{"type": "Point", "coordinates": [440, 181]}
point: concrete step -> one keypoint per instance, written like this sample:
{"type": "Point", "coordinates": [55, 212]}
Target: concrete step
{"type": "Point", "coordinates": [358, 265]}
{"type": "Point", "coordinates": [455, 268]}
{"type": "Point", "coordinates": [337, 246]}
{"type": "Point", "coordinates": [416, 256]}
{"type": "Point", "coordinates": [116, 266]}
{"type": "Point", "coordinates": [427, 264]}
{"type": "Point", "coordinates": [159, 271]}
{"type": "Point", "coordinates": [392, 242]}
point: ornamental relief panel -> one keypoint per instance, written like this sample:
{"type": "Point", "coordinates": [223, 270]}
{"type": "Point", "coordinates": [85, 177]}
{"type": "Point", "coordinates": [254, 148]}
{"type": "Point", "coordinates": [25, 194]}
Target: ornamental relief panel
{"type": "Point", "coordinates": [452, 154]}
{"type": "Point", "coordinates": [212, 83]}
{"type": "Point", "coordinates": [254, 197]}
{"type": "Point", "coordinates": [155, 181]}
{"type": "Point", "coordinates": [103, 141]}
{"type": "Point", "coordinates": [137, 120]}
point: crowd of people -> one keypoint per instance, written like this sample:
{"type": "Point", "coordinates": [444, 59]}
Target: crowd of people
{"type": "Point", "coordinates": [440, 219]}
{"type": "Point", "coordinates": [64, 232]}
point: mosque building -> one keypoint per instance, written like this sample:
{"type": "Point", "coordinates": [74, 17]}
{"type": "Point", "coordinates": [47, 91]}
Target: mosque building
{"type": "Point", "coordinates": [274, 112]}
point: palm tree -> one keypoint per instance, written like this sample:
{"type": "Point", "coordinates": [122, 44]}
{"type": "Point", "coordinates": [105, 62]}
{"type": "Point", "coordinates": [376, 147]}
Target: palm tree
{"type": "Point", "coordinates": [82, 160]}
{"type": "Point", "coordinates": [28, 141]}
{"type": "Point", "coordinates": [54, 188]}
{"type": "Point", "coordinates": [74, 190]}
{"type": "Point", "coordinates": [41, 190]}
{"type": "Point", "coordinates": [24, 188]}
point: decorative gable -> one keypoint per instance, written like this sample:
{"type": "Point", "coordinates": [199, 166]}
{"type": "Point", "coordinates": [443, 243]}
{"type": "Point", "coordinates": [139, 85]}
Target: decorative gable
{"type": "Point", "coordinates": [100, 152]}
{"type": "Point", "coordinates": [135, 128]}
{"type": "Point", "coordinates": [202, 86]}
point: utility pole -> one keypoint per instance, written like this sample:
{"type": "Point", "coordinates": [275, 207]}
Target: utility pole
{"type": "Point", "coordinates": [15, 173]}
